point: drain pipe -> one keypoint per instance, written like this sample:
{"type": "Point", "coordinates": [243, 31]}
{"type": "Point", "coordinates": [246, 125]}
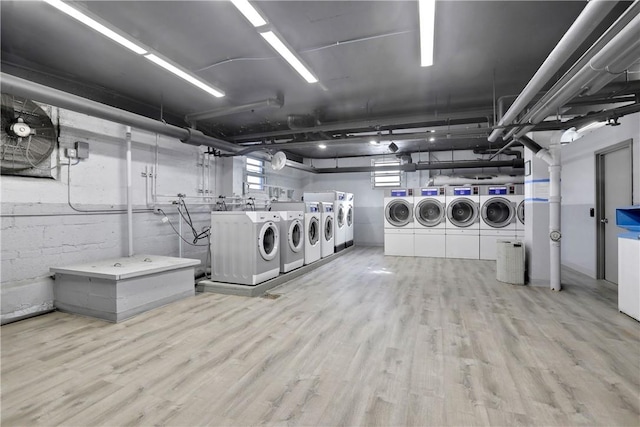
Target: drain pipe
{"type": "Point", "coordinates": [129, 192]}
{"type": "Point", "coordinates": [594, 12]}
{"type": "Point", "coordinates": [552, 157]}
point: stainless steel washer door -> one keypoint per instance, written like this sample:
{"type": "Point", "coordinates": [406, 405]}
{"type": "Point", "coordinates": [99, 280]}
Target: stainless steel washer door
{"type": "Point", "coordinates": [430, 212]}
{"type": "Point", "coordinates": [340, 217]}
{"type": "Point", "coordinates": [313, 233]}
{"type": "Point", "coordinates": [497, 212]}
{"type": "Point", "coordinates": [296, 238]}
{"type": "Point", "coordinates": [398, 213]}
{"type": "Point", "coordinates": [268, 241]}
{"type": "Point", "coordinates": [520, 211]}
{"type": "Point", "coordinates": [328, 228]}
{"type": "Point", "coordinates": [462, 212]}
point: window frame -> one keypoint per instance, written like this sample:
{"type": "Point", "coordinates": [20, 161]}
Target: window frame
{"type": "Point", "coordinates": [385, 179]}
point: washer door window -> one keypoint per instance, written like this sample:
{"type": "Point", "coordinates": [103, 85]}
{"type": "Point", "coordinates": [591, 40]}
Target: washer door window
{"type": "Point", "coordinates": [398, 213]}
{"type": "Point", "coordinates": [268, 241]}
{"type": "Point", "coordinates": [429, 212]}
{"type": "Point", "coordinates": [520, 211]}
{"type": "Point", "coordinates": [497, 212]}
{"type": "Point", "coordinates": [350, 216]}
{"type": "Point", "coordinates": [340, 216]}
{"type": "Point", "coordinates": [462, 212]}
{"type": "Point", "coordinates": [328, 228]}
{"type": "Point", "coordinates": [296, 239]}
{"type": "Point", "coordinates": [313, 233]}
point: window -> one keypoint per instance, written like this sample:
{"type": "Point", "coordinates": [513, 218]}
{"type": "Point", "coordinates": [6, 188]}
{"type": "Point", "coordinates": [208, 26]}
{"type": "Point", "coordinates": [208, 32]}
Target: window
{"type": "Point", "coordinates": [255, 176]}
{"type": "Point", "coordinates": [386, 178]}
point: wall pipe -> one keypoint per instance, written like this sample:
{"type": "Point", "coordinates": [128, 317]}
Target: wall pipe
{"type": "Point", "coordinates": [25, 88]}
{"type": "Point", "coordinates": [129, 192]}
{"type": "Point", "coordinates": [594, 12]}
{"type": "Point", "coordinates": [412, 167]}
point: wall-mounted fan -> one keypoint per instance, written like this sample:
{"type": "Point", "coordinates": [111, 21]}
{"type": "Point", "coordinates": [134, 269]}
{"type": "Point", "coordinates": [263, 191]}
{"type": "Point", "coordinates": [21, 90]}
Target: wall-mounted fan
{"type": "Point", "coordinates": [28, 137]}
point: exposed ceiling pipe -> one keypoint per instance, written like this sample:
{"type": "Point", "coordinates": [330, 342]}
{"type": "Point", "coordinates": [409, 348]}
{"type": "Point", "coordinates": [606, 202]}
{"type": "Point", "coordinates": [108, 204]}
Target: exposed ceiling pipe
{"type": "Point", "coordinates": [516, 153]}
{"type": "Point", "coordinates": [381, 123]}
{"type": "Point", "coordinates": [25, 88]}
{"type": "Point", "coordinates": [219, 112]}
{"type": "Point", "coordinates": [571, 83]}
{"type": "Point", "coordinates": [479, 179]}
{"type": "Point", "coordinates": [584, 25]}
{"type": "Point", "coordinates": [412, 167]}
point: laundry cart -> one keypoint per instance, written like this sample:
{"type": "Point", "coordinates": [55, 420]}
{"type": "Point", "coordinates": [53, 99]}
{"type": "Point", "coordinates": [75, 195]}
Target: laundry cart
{"type": "Point", "coordinates": [510, 261]}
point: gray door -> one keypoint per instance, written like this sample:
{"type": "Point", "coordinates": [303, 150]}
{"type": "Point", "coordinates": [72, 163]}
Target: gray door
{"type": "Point", "coordinates": [615, 192]}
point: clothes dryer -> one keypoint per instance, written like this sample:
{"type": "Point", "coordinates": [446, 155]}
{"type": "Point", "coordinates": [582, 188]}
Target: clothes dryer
{"type": "Point", "coordinates": [463, 227]}
{"type": "Point", "coordinates": [291, 240]}
{"type": "Point", "coordinates": [498, 217]}
{"type": "Point", "coordinates": [398, 222]}
{"type": "Point", "coordinates": [327, 223]}
{"type": "Point", "coordinates": [245, 246]}
{"type": "Point", "coordinates": [312, 226]}
{"type": "Point", "coordinates": [519, 197]}
{"type": "Point", "coordinates": [429, 236]}
{"type": "Point", "coordinates": [338, 198]}
{"type": "Point", "coordinates": [350, 219]}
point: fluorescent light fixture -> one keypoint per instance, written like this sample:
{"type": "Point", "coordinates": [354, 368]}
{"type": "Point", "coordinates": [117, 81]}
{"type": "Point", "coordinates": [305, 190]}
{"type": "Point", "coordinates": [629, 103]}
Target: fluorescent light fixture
{"type": "Point", "coordinates": [591, 126]}
{"type": "Point", "coordinates": [289, 56]}
{"type": "Point", "coordinates": [76, 14]}
{"type": "Point", "coordinates": [427, 12]}
{"type": "Point", "coordinates": [432, 131]}
{"type": "Point", "coordinates": [184, 75]}
{"type": "Point", "coordinates": [249, 12]}
{"type": "Point", "coordinates": [323, 146]}
{"type": "Point", "coordinates": [432, 139]}
{"type": "Point", "coordinates": [374, 142]}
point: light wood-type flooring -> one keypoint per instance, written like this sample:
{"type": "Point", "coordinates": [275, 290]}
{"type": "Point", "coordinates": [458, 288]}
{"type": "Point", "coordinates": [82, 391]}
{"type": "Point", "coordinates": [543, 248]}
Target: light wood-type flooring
{"type": "Point", "coordinates": [366, 340]}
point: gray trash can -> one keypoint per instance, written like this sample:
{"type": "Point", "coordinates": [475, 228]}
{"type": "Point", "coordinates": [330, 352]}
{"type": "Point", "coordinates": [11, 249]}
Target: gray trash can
{"type": "Point", "coordinates": [510, 262]}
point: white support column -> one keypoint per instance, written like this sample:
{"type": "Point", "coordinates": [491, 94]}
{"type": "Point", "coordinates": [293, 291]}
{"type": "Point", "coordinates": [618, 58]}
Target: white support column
{"type": "Point", "coordinates": [555, 171]}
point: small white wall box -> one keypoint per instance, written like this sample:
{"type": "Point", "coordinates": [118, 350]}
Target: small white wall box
{"type": "Point", "coordinates": [120, 288]}
{"type": "Point", "coordinates": [629, 261]}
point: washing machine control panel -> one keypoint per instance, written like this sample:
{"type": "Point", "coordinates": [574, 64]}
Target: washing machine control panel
{"type": "Point", "coordinates": [495, 191]}
{"type": "Point", "coordinates": [432, 191]}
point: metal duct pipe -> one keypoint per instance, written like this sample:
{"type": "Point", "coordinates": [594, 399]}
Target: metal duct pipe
{"type": "Point", "coordinates": [603, 42]}
{"type": "Point", "coordinates": [210, 114]}
{"type": "Point", "coordinates": [591, 16]}
{"type": "Point", "coordinates": [480, 179]}
{"type": "Point", "coordinates": [25, 88]}
{"type": "Point", "coordinates": [412, 167]}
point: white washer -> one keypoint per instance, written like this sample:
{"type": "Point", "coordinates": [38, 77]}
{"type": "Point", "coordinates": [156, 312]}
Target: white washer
{"type": "Point", "coordinates": [338, 198]}
{"type": "Point", "coordinates": [291, 240]}
{"type": "Point", "coordinates": [430, 222]}
{"type": "Point", "coordinates": [398, 222]}
{"type": "Point", "coordinates": [327, 221]}
{"type": "Point", "coordinates": [519, 197]}
{"type": "Point", "coordinates": [350, 219]}
{"type": "Point", "coordinates": [463, 226]}
{"type": "Point", "coordinates": [312, 226]}
{"type": "Point", "coordinates": [497, 217]}
{"type": "Point", "coordinates": [245, 246]}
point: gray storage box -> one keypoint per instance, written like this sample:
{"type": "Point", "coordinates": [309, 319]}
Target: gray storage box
{"type": "Point", "coordinates": [510, 261]}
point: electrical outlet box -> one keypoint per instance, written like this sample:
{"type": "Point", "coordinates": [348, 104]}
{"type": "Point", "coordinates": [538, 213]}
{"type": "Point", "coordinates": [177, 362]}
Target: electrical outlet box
{"type": "Point", "coordinates": [82, 149]}
{"type": "Point", "coordinates": [72, 153]}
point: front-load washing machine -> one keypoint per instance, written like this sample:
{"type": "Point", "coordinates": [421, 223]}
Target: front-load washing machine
{"type": "Point", "coordinates": [327, 223]}
{"type": "Point", "coordinates": [498, 217]}
{"type": "Point", "coordinates": [430, 222]}
{"type": "Point", "coordinates": [519, 197]}
{"type": "Point", "coordinates": [338, 198]}
{"type": "Point", "coordinates": [312, 226]}
{"type": "Point", "coordinates": [463, 226]}
{"type": "Point", "coordinates": [291, 240]}
{"type": "Point", "coordinates": [245, 246]}
{"type": "Point", "coordinates": [350, 219]}
{"type": "Point", "coordinates": [398, 222]}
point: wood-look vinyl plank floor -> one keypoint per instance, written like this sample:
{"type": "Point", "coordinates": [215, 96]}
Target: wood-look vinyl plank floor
{"type": "Point", "coordinates": [366, 340]}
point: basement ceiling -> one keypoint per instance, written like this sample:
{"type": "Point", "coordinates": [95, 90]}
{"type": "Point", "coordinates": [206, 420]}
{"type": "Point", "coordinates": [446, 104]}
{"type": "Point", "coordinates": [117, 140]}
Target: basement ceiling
{"type": "Point", "coordinates": [364, 53]}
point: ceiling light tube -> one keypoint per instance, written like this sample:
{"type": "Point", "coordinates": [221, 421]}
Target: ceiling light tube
{"type": "Point", "coordinates": [97, 26]}
{"type": "Point", "coordinates": [289, 56]}
{"type": "Point", "coordinates": [249, 12]}
{"type": "Point", "coordinates": [322, 146]}
{"type": "Point", "coordinates": [184, 75]}
{"type": "Point", "coordinates": [591, 126]}
{"type": "Point", "coordinates": [427, 12]}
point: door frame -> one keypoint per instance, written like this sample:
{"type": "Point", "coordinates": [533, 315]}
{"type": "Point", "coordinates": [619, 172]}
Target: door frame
{"type": "Point", "coordinates": [599, 159]}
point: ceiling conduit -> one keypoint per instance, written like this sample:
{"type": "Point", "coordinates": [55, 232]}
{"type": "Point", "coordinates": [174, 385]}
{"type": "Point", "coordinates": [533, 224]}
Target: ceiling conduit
{"type": "Point", "coordinates": [412, 167]}
{"type": "Point", "coordinates": [31, 90]}
{"type": "Point", "coordinates": [587, 21]}
{"type": "Point", "coordinates": [220, 112]}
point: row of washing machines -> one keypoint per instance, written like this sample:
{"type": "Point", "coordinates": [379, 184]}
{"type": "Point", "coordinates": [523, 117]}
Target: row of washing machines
{"type": "Point", "coordinates": [452, 221]}
{"type": "Point", "coordinates": [251, 247]}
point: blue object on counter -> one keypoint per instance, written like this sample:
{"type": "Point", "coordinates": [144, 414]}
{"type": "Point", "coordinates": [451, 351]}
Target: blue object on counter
{"type": "Point", "coordinates": [628, 218]}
